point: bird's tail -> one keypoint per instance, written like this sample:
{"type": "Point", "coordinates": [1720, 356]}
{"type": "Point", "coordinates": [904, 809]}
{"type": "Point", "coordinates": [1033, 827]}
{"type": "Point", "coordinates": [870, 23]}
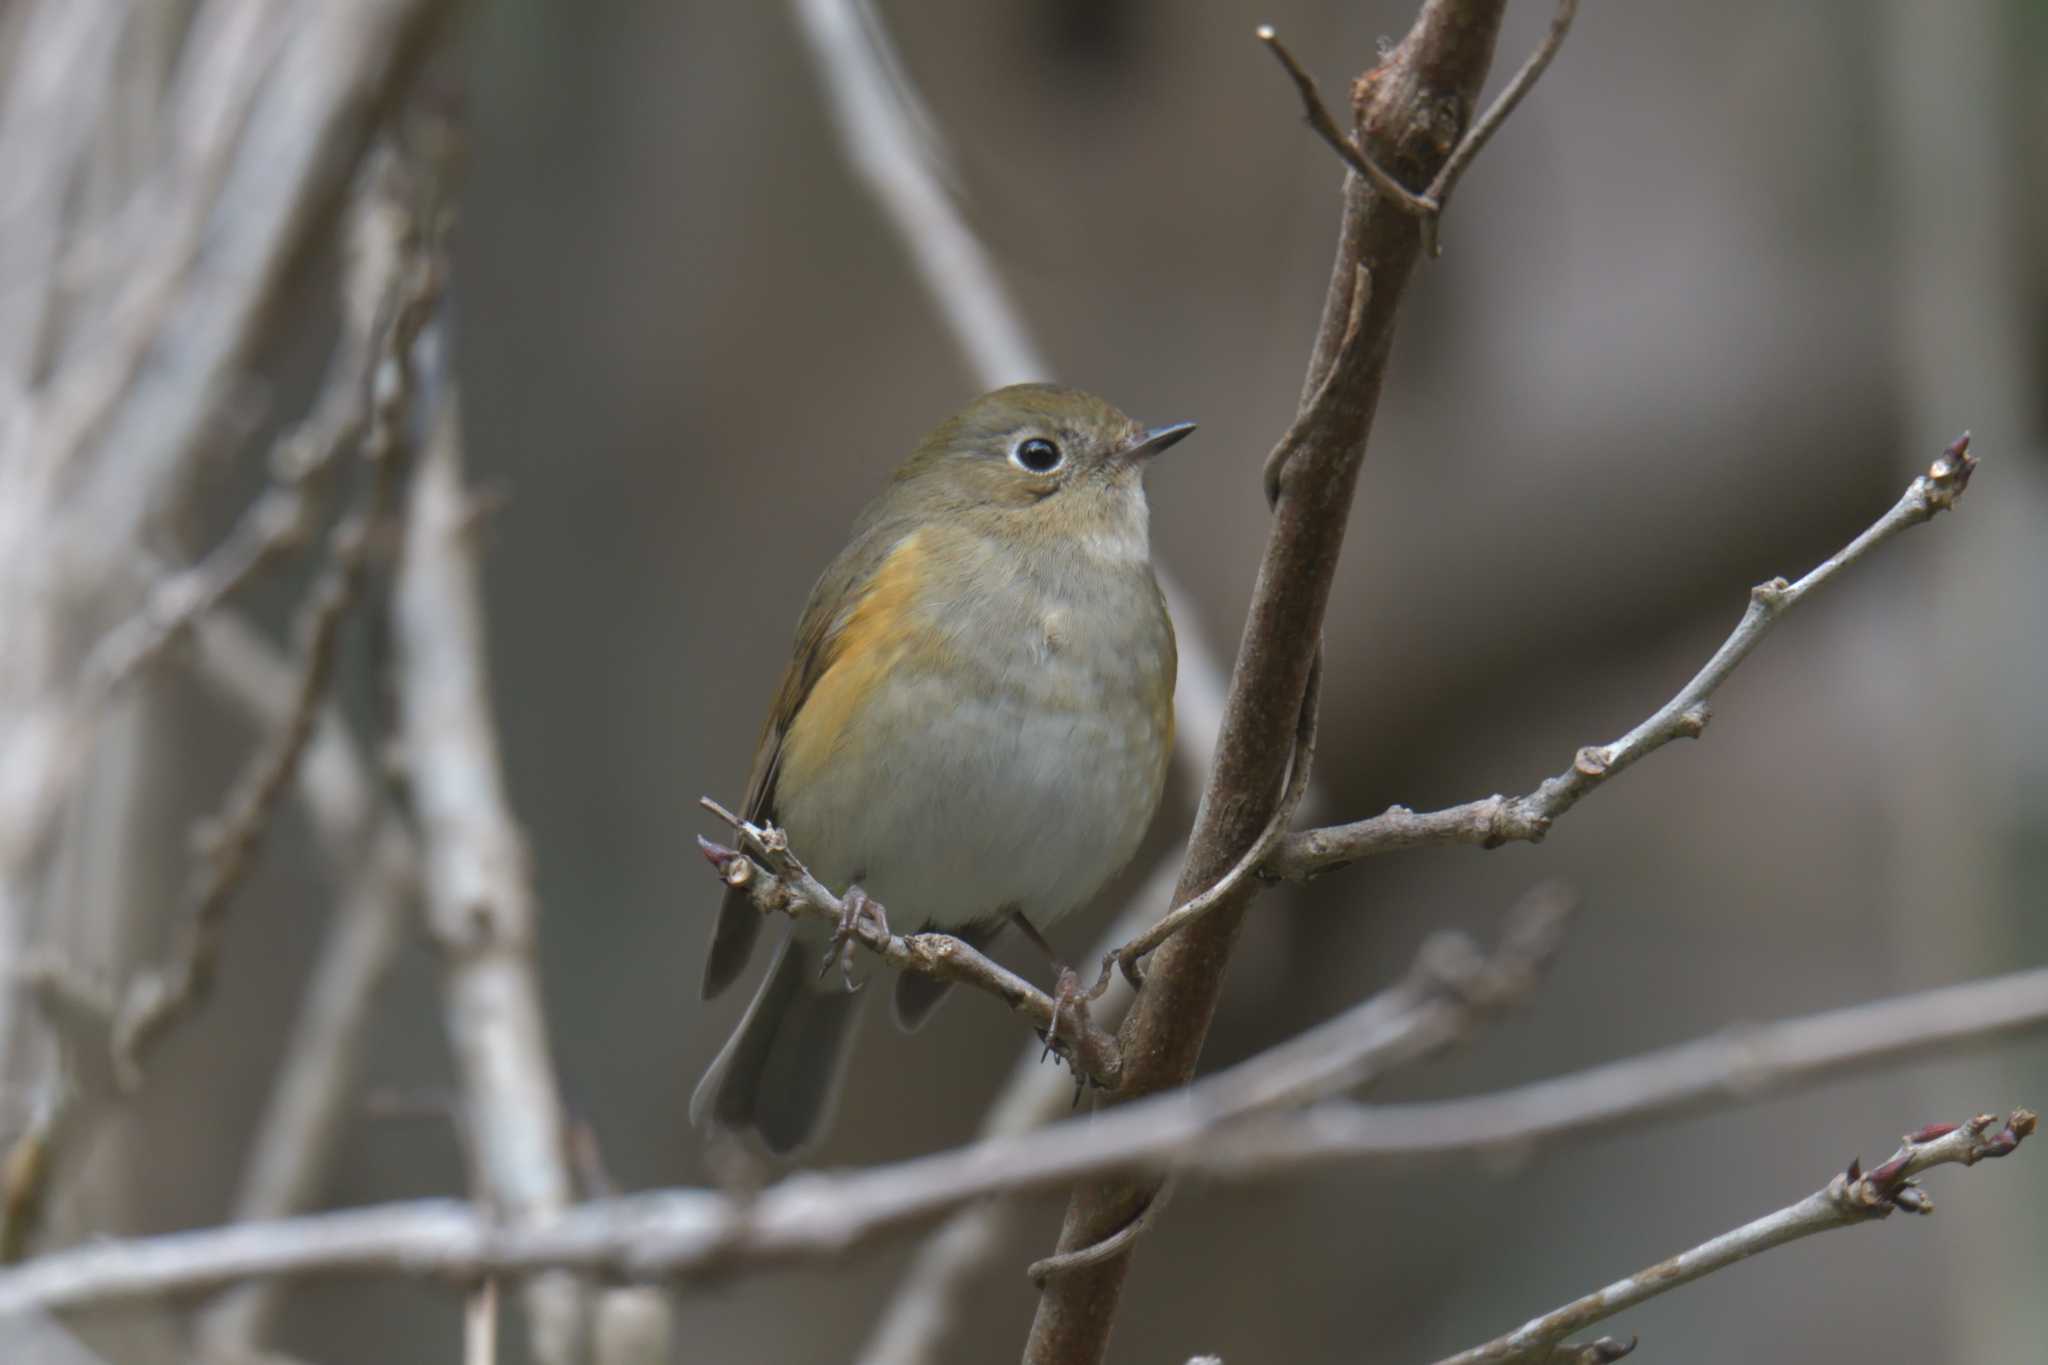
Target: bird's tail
{"type": "Point", "coordinates": [778, 1075]}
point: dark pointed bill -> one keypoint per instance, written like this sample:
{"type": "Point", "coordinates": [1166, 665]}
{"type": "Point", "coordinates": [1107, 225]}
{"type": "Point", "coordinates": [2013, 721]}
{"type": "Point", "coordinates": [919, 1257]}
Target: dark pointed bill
{"type": "Point", "coordinates": [1158, 439]}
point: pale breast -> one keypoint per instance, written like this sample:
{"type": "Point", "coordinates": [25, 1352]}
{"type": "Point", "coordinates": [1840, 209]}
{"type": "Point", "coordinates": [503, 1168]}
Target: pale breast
{"type": "Point", "coordinates": [1010, 756]}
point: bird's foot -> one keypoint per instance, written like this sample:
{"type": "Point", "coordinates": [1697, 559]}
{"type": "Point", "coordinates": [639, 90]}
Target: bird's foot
{"type": "Point", "coordinates": [854, 907]}
{"type": "Point", "coordinates": [1068, 1000]}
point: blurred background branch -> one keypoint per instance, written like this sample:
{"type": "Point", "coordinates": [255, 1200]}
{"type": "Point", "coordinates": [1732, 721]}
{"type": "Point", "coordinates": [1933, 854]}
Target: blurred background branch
{"type": "Point", "coordinates": [1269, 1115]}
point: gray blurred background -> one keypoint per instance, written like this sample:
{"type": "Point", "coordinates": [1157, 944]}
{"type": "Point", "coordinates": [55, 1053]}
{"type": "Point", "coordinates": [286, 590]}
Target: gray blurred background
{"type": "Point", "coordinates": [1729, 279]}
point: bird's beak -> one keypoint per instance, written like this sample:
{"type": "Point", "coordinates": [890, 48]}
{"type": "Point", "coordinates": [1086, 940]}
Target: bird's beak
{"type": "Point", "coordinates": [1158, 439]}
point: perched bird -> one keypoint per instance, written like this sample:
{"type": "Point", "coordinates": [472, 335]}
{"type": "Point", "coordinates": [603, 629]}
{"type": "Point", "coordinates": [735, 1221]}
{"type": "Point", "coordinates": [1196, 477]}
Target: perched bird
{"type": "Point", "coordinates": [975, 728]}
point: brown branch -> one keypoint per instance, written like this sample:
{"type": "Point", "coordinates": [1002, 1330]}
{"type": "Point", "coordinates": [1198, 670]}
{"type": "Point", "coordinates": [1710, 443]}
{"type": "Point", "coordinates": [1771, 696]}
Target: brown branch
{"type": "Point", "coordinates": [777, 882]}
{"type": "Point", "coordinates": [1440, 64]}
{"type": "Point", "coordinates": [1496, 820]}
{"type": "Point", "coordinates": [1428, 207]}
{"type": "Point", "coordinates": [1319, 119]}
{"type": "Point", "coordinates": [1850, 1199]}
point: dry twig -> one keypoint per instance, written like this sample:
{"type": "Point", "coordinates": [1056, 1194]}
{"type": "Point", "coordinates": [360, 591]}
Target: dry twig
{"type": "Point", "coordinates": [1427, 207]}
{"type": "Point", "coordinates": [695, 1234]}
{"type": "Point", "coordinates": [1231, 1125]}
{"type": "Point", "coordinates": [157, 1000]}
{"type": "Point", "coordinates": [1739, 1066]}
{"type": "Point", "coordinates": [777, 882]}
{"type": "Point", "coordinates": [1499, 819]}
{"type": "Point", "coordinates": [1851, 1198]}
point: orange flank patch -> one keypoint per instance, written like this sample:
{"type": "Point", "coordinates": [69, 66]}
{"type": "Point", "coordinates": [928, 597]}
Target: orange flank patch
{"type": "Point", "coordinates": [876, 636]}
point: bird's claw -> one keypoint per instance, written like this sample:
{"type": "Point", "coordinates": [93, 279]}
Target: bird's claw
{"type": "Point", "coordinates": [1066, 996]}
{"type": "Point", "coordinates": [854, 906]}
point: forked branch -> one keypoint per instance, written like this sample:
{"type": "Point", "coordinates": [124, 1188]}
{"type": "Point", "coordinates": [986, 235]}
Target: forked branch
{"type": "Point", "coordinates": [1428, 206]}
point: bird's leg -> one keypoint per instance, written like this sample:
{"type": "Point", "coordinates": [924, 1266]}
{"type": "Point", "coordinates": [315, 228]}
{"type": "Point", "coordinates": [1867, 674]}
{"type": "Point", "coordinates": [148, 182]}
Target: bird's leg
{"type": "Point", "coordinates": [854, 906]}
{"type": "Point", "coordinates": [1066, 991]}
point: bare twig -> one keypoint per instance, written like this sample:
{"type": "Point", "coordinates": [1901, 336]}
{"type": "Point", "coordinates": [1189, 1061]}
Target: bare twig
{"type": "Point", "coordinates": [779, 883]}
{"type": "Point", "coordinates": [480, 902]}
{"type": "Point", "coordinates": [1317, 115]}
{"type": "Point", "coordinates": [261, 129]}
{"type": "Point", "coordinates": [1499, 819]}
{"type": "Point", "coordinates": [692, 1234]}
{"type": "Point", "coordinates": [1231, 1125]}
{"type": "Point", "coordinates": [157, 1000]}
{"type": "Point", "coordinates": [1225, 1125]}
{"type": "Point", "coordinates": [300, 461]}
{"type": "Point", "coordinates": [1742, 1065]}
{"type": "Point", "coordinates": [1428, 207]}
{"type": "Point", "coordinates": [1849, 1199]}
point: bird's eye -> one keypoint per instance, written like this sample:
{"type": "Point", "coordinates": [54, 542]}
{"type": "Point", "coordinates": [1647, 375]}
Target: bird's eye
{"type": "Point", "coordinates": [1037, 455]}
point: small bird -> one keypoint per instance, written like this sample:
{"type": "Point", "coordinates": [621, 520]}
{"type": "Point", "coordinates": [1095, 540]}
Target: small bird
{"type": "Point", "coordinates": [975, 729]}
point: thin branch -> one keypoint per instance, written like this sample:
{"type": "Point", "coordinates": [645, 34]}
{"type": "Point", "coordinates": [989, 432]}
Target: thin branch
{"type": "Point", "coordinates": [1225, 1125]}
{"type": "Point", "coordinates": [1427, 207]}
{"type": "Point", "coordinates": [1317, 115]}
{"type": "Point", "coordinates": [683, 1235]}
{"type": "Point", "coordinates": [1438, 196]}
{"type": "Point", "coordinates": [157, 1000]}
{"type": "Point", "coordinates": [1499, 819]}
{"type": "Point", "coordinates": [300, 461]}
{"type": "Point", "coordinates": [777, 882]}
{"type": "Point", "coordinates": [1739, 1066]}
{"type": "Point", "coordinates": [1850, 1199]}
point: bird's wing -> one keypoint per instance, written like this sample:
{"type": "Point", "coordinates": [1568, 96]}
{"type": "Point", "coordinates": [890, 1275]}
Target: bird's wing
{"type": "Point", "coordinates": [835, 601]}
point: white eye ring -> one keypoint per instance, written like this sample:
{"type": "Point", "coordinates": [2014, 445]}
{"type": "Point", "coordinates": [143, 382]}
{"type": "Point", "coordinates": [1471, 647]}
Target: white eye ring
{"type": "Point", "coordinates": [1036, 455]}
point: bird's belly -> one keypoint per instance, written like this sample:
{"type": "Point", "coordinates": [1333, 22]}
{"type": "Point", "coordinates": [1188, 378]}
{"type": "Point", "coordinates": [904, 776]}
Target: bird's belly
{"type": "Point", "coordinates": [953, 804]}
